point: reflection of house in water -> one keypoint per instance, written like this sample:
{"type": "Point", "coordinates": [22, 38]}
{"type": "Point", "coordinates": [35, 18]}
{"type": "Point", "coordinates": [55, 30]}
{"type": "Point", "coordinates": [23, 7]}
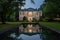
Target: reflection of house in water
{"type": "Point", "coordinates": [30, 14]}
{"type": "Point", "coordinates": [29, 28]}
{"type": "Point", "coordinates": [21, 28]}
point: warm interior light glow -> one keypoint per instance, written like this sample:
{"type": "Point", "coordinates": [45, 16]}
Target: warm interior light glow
{"type": "Point", "coordinates": [30, 18]}
{"type": "Point", "coordinates": [30, 30]}
{"type": "Point", "coordinates": [29, 26]}
{"type": "Point", "coordinates": [30, 13]}
{"type": "Point", "coordinates": [34, 13]}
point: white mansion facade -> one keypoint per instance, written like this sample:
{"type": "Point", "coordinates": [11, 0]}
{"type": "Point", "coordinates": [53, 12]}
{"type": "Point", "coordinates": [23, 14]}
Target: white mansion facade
{"type": "Point", "coordinates": [29, 13]}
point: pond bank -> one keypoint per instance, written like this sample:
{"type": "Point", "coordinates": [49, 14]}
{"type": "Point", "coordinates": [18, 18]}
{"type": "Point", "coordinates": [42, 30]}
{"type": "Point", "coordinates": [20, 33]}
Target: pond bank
{"type": "Point", "coordinates": [57, 31]}
{"type": "Point", "coordinates": [55, 26]}
{"type": "Point", "coordinates": [8, 29]}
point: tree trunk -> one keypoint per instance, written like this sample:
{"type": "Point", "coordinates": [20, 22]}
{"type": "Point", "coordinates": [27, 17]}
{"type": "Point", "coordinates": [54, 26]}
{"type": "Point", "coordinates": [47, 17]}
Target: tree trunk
{"type": "Point", "coordinates": [3, 22]}
{"type": "Point", "coordinates": [3, 19]}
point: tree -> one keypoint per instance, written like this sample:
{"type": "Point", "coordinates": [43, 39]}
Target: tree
{"type": "Point", "coordinates": [24, 18]}
{"type": "Point", "coordinates": [33, 1]}
{"type": "Point", "coordinates": [6, 7]}
{"type": "Point", "coordinates": [17, 8]}
{"type": "Point", "coordinates": [51, 8]}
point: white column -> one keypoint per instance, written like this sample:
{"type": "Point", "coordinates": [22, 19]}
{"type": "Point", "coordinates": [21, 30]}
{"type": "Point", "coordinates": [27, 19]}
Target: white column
{"type": "Point", "coordinates": [32, 15]}
{"type": "Point", "coordinates": [36, 15]}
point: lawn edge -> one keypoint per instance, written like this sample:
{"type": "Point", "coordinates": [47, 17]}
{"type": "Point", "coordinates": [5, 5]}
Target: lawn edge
{"type": "Point", "coordinates": [55, 30]}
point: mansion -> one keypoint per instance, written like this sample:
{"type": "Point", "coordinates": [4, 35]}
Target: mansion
{"type": "Point", "coordinates": [30, 14]}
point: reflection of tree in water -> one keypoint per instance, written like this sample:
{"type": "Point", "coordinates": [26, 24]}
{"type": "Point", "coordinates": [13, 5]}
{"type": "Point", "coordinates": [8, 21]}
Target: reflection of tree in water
{"type": "Point", "coordinates": [24, 26]}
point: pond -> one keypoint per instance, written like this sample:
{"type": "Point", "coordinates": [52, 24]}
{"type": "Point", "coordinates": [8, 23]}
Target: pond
{"type": "Point", "coordinates": [30, 32]}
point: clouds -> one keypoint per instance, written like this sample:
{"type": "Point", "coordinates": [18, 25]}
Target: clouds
{"type": "Point", "coordinates": [30, 4]}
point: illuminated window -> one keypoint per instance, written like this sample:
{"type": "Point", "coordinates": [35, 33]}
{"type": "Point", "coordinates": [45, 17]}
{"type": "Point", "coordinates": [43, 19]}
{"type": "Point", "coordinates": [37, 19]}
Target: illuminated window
{"type": "Point", "coordinates": [34, 12]}
{"type": "Point", "coordinates": [30, 13]}
{"type": "Point", "coordinates": [25, 13]}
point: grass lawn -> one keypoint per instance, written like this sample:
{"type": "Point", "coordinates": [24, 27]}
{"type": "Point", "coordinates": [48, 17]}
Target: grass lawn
{"type": "Point", "coordinates": [55, 25]}
{"type": "Point", "coordinates": [5, 26]}
{"type": "Point", "coordinates": [8, 25]}
{"type": "Point", "coordinates": [19, 22]}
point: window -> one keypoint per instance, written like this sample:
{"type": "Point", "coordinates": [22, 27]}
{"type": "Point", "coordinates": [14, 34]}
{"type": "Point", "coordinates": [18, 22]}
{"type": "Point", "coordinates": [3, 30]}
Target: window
{"type": "Point", "coordinates": [30, 13]}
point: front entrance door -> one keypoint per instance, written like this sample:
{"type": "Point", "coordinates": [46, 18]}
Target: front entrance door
{"type": "Point", "coordinates": [30, 19]}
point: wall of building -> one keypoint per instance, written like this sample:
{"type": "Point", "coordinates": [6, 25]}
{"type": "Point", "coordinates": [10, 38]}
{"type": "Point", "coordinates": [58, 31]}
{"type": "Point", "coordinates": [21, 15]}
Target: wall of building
{"type": "Point", "coordinates": [29, 14]}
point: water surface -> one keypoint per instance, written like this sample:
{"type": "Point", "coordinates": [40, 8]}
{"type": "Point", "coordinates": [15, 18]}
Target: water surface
{"type": "Point", "coordinates": [30, 32]}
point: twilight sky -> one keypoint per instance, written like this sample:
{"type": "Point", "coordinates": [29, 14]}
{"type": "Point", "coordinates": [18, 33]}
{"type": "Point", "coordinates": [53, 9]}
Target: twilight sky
{"type": "Point", "coordinates": [31, 5]}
